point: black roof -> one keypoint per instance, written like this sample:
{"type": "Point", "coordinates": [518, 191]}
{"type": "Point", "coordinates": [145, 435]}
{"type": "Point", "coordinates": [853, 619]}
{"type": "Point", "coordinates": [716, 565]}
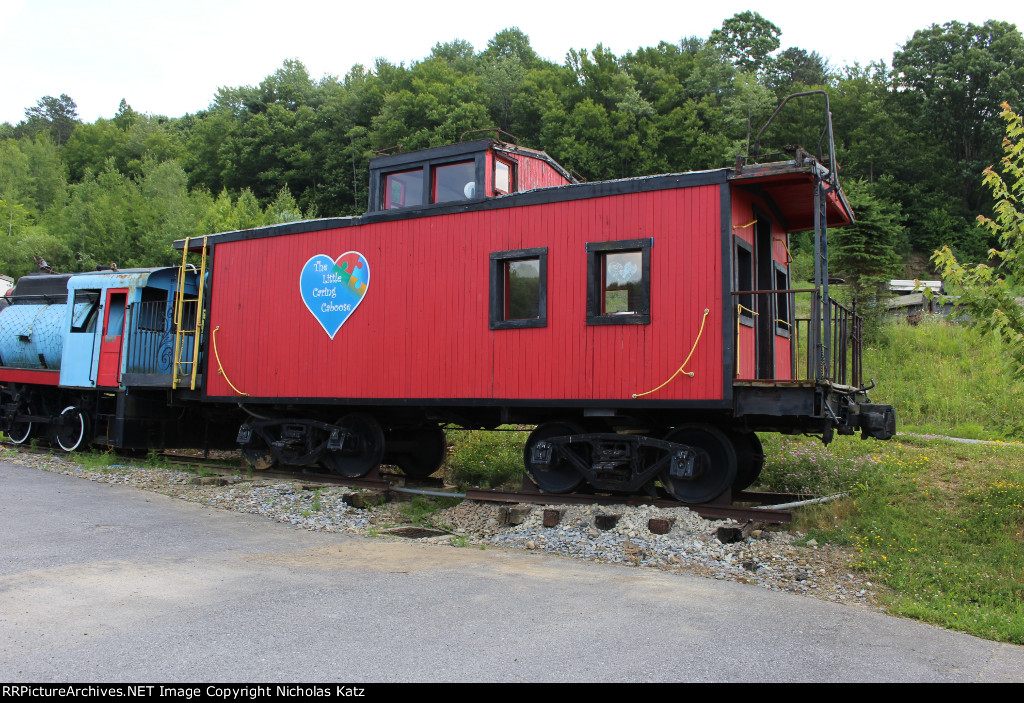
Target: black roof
{"type": "Point", "coordinates": [41, 284]}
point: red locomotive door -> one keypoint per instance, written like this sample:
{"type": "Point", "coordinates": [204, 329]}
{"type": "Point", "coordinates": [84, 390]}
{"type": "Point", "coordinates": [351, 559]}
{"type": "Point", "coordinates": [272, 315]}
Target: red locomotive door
{"type": "Point", "coordinates": [109, 369]}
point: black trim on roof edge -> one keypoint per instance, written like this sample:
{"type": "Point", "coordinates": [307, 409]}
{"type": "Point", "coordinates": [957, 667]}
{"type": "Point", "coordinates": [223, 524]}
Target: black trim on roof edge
{"type": "Point", "coordinates": [537, 196]}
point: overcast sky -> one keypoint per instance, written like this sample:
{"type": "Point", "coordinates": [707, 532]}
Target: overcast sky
{"type": "Point", "coordinates": [169, 57]}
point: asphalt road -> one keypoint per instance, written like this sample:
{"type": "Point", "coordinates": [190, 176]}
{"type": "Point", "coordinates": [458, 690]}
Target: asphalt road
{"type": "Point", "coordinates": [102, 583]}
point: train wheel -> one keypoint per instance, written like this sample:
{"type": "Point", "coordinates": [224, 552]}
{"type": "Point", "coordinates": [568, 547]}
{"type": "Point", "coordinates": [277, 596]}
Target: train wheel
{"type": "Point", "coordinates": [749, 458]}
{"type": "Point", "coordinates": [432, 448]}
{"type": "Point", "coordinates": [561, 476]}
{"type": "Point", "coordinates": [259, 458]}
{"type": "Point", "coordinates": [715, 477]}
{"type": "Point", "coordinates": [369, 454]}
{"type": "Point", "coordinates": [73, 433]}
{"type": "Point", "coordinates": [20, 431]}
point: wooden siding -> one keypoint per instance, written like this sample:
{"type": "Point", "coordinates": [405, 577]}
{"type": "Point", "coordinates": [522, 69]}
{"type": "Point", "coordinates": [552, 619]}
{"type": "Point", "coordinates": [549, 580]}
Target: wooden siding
{"type": "Point", "coordinates": [534, 173]}
{"type": "Point", "coordinates": [421, 330]}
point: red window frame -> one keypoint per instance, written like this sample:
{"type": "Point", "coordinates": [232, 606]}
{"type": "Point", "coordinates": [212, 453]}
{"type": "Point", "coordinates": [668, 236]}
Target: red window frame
{"type": "Point", "coordinates": [511, 176]}
{"type": "Point", "coordinates": [387, 205]}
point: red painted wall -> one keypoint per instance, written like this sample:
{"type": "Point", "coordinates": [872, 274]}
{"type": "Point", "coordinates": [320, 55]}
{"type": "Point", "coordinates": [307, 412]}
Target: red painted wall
{"type": "Point", "coordinates": [421, 330]}
{"type": "Point", "coordinates": [534, 173]}
{"type": "Point", "coordinates": [33, 376]}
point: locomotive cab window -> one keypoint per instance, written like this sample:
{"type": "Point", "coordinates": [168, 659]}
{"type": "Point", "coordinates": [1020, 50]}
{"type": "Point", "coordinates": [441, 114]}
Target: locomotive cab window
{"type": "Point", "coordinates": [619, 282]}
{"type": "Point", "coordinates": [83, 318]}
{"type": "Point", "coordinates": [403, 189]}
{"type": "Point", "coordinates": [518, 294]}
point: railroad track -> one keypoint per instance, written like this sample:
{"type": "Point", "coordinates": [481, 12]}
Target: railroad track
{"type": "Point", "coordinates": [744, 507]}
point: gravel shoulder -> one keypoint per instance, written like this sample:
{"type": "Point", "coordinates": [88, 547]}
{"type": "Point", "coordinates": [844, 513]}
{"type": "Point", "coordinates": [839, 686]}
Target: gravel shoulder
{"type": "Point", "coordinates": [774, 558]}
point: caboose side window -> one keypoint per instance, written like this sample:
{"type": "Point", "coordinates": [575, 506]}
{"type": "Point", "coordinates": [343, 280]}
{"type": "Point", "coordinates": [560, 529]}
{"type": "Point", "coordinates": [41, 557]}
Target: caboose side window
{"type": "Point", "coordinates": [782, 323]}
{"type": "Point", "coordinates": [504, 177]}
{"type": "Point", "coordinates": [743, 279]}
{"type": "Point", "coordinates": [619, 282]}
{"type": "Point", "coordinates": [454, 182]}
{"type": "Point", "coordinates": [403, 188]}
{"type": "Point", "coordinates": [518, 296]}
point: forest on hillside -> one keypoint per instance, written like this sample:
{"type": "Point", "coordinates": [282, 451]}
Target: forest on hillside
{"type": "Point", "coordinates": [912, 138]}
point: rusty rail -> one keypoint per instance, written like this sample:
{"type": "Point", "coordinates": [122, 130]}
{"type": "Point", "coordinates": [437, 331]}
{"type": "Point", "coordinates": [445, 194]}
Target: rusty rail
{"type": "Point", "coordinates": [711, 511]}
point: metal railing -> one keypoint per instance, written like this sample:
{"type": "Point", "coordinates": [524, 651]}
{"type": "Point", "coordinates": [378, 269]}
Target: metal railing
{"type": "Point", "coordinates": [151, 329]}
{"type": "Point", "coordinates": [847, 334]}
{"type": "Point", "coordinates": [822, 348]}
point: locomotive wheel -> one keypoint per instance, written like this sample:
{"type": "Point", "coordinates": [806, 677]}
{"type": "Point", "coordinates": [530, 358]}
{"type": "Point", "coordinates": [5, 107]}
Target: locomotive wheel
{"type": "Point", "coordinates": [432, 448]}
{"type": "Point", "coordinates": [749, 458]}
{"type": "Point", "coordinates": [370, 452]}
{"type": "Point", "coordinates": [20, 431]}
{"type": "Point", "coordinates": [73, 433]}
{"type": "Point", "coordinates": [561, 477]}
{"type": "Point", "coordinates": [714, 478]}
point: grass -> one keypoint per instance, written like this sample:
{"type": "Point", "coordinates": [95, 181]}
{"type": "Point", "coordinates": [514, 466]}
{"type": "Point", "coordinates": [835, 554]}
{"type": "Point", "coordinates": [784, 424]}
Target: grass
{"type": "Point", "coordinates": [941, 524]}
{"type": "Point", "coordinates": [421, 510]}
{"type": "Point", "coordinates": [946, 379]}
{"type": "Point", "coordinates": [106, 461]}
{"type": "Point", "coordinates": [486, 459]}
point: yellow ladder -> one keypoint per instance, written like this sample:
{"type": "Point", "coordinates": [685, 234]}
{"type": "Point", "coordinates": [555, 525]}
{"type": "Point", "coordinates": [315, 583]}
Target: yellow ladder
{"type": "Point", "coordinates": [179, 373]}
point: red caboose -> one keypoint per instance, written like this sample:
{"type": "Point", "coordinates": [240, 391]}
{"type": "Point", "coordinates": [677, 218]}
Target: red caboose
{"type": "Point", "coordinates": [646, 325]}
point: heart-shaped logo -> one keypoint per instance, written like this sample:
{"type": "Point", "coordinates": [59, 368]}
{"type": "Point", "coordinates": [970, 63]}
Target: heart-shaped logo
{"type": "Point", "coordinates": [333, 288]}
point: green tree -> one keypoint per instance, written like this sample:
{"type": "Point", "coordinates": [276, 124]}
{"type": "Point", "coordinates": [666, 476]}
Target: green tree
{"type": "Point", "coordinates": [32, 173]}
{"type": "Point", "coordinates": [795, 69]}
{"type": "Point", "coordinates": [129, 138]}
{"type": "Point", "coordinates": [950, 80]}
{"type": "Point", "coordinates": [435, 106]}
{"type": "Point", "coordinates": [987, 290]}
{"type": "Point", "coordinates": [58, 116]}
{"type": "Point", "coordinates": [512, 42]}
{"type": "Point", "coordinates": [865, 252]}
{"type": "Point", "coordinates": [747, 39]}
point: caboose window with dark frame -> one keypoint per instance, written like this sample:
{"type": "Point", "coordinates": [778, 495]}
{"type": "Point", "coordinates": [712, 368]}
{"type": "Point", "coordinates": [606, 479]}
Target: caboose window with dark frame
{"type": "Point", "coordinates": [454, 181]}
{"type": "Point", "coordinates": [783, 324]}
{"type": "Point", "coordinates": [519, 289]}
{"type": "Point", "coordinates": [402, 189]}
{"type": "Point", "coordinates": [743, 279]}
{"type": "Point", "coordinates": [619, 282]}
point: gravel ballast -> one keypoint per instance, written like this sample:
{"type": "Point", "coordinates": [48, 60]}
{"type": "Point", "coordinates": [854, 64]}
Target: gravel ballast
{"type": "Point", "coordinates": [770, 558]}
